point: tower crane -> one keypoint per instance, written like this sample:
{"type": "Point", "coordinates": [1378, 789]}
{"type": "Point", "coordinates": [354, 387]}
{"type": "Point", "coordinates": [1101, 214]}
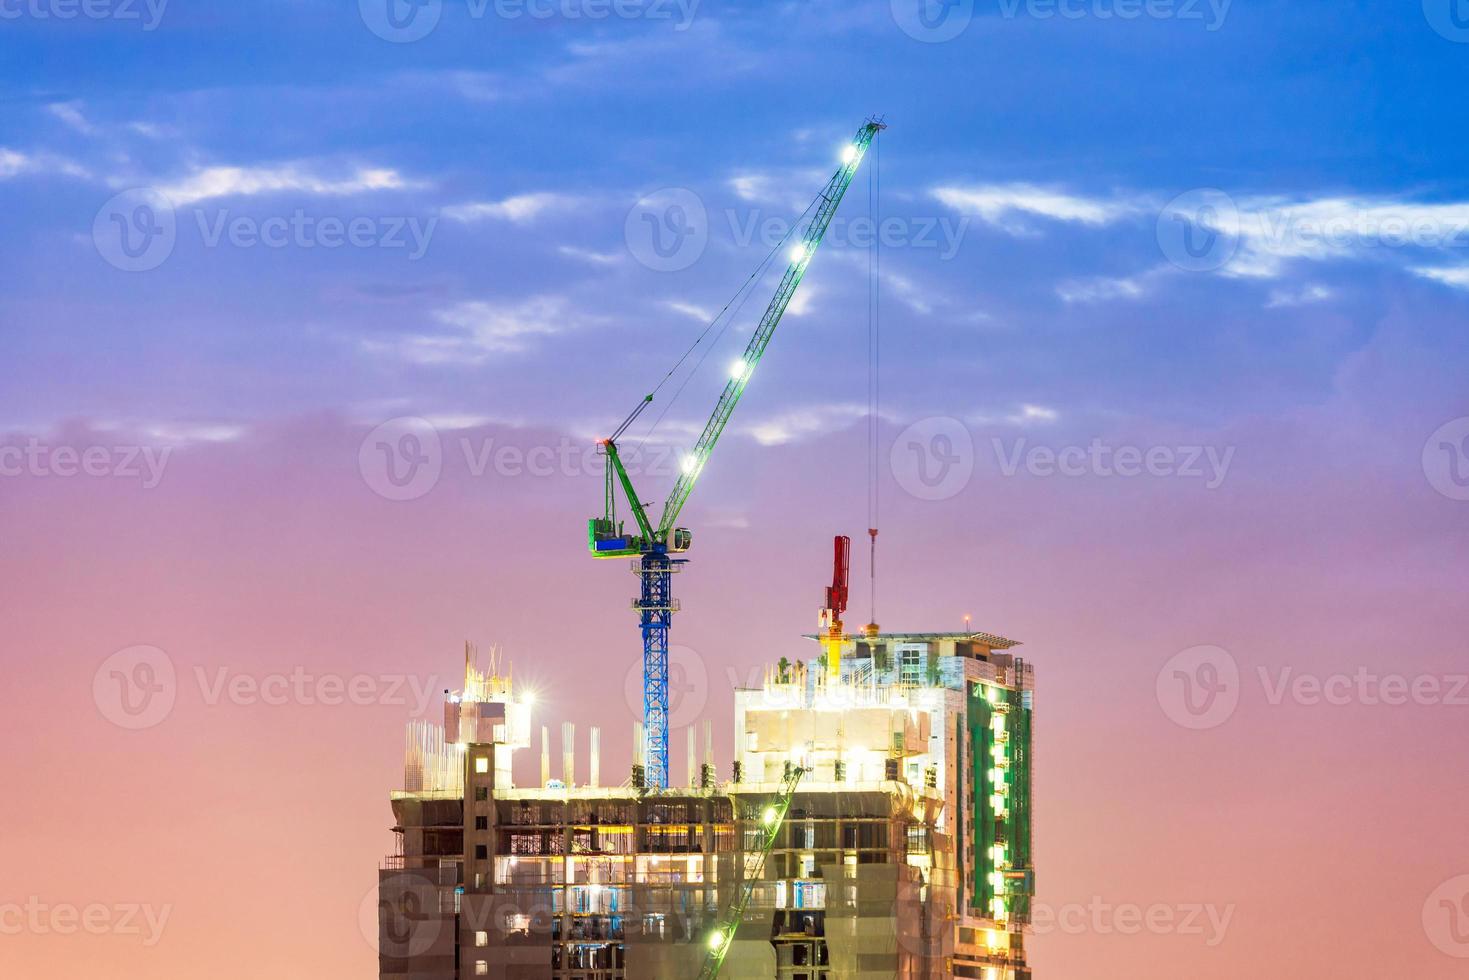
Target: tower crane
{"type": "Point", "coordinates": [653, 545]}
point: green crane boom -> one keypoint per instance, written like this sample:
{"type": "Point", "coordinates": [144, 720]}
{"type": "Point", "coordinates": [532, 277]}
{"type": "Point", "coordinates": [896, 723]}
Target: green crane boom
{"type": "Point", "coordinates": [800, 258]}
{"type": "Point", "coordinates": [653, 545]}
{"type": "Point", "coordinates": [771, 819]}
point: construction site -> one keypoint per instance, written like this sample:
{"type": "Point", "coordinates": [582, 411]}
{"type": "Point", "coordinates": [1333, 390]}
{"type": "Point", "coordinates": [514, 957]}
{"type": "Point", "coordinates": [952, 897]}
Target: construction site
{"type": "Point", "coordinates": [875, 820]}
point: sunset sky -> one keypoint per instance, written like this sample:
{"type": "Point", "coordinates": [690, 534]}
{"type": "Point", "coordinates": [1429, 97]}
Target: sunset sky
{"type": "Point", "coordinates": [1174, 390]}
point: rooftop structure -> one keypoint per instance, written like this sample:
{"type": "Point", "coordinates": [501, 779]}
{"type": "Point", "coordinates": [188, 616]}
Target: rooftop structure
{"type": "Point", "coordinates": [906, 850]}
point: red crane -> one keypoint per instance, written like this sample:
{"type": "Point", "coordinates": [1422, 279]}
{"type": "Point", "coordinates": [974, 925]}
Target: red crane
{"type": "Point", "coordinates": [836, 603]}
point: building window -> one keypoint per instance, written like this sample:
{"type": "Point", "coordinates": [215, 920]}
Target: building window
{"type": "Point", "coordinates": [911, 666]}
{"type": "Point", "coordinates": [481, 793]}
{"type": "Point", "coordinates": [481, 938]}
{"type": "Point", "coordinates": [481, 823]}
{"type": "Point", "coordinates": [481, 852]}
{"type": "Point", "coordinates": [482, 764]}
{"type": "Point", "coordinates": [481, 968]}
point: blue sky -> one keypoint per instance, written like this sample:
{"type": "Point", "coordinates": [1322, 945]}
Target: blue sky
{"type": "Point", "coordinates": [1046, 147]}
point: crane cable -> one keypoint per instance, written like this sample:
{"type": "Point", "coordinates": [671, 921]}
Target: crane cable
{"type": "Point", "coordinates": [874, 280]}
{"type": "Point", "coordinates": [747, 289]}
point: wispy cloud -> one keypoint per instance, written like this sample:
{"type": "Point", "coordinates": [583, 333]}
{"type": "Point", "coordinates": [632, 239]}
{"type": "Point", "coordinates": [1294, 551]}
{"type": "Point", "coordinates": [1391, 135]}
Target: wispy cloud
{"type": "Point", "coordinates": [1456, 276]}
{"type": "Point", "coordinates": [589, 256]}
{"type": "Point", "coordinates": [804, 423]}
{"type": "Point", "coordinates": [215, 182]}
{"type": "Point", "coordinates": [1271, 233]}
{"type": "Point", "coordinates": [519, 209]}
{"type": "Point", "coordinates": [481, 328]}
{"type": "Point", "coordinates": [690, 310]}
{"type": "Point", "coordinates": [1013, 208]}
{"type": "Point", "coordinates": [1307, 294]}
{"type": "Point", "coordinates": [15, 163]}
{"type": "Point", "coordinates": [71, 114]}
{"type": "Point", "coordinates": [1098, 289]}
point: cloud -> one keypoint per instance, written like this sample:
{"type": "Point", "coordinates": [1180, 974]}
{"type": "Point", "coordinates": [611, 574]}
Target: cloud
{"type": "Point", "coordinates": [70, 113]}
{"type": "Point", "coordinates": [519, 209]}
{"type": "Point", "coordinates": [213, 182]}
{"type": "Point", "coordinates": [1008, 206]}
{"type": "Point", "coordinates": [589, 256]}
{"type": "Point", "coordinates": [690, 310]}
{"type": "Point", "coordinates": [804, 423]}
{"type": "Point", "coordinates": [1024, 415]}
{"type": "Point", "coordinates": [1457, 277]}
{"type": "Point", "coordinates": [1310, 293]}
{"type": "Point", "coordinates": [14, 163]}
{"type": "Point", "coordinates": [1098, 289]}
{"type": "Point", "coordinates": [1274, 232]}
{"type": "Point", "coordinates": [480, 328]}
{"type": "Point", "coordinates": [793, 189]}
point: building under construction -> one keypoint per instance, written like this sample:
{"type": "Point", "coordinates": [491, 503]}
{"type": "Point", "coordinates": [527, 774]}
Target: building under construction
{"type": "Point", "coordinates": [875, 822]}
